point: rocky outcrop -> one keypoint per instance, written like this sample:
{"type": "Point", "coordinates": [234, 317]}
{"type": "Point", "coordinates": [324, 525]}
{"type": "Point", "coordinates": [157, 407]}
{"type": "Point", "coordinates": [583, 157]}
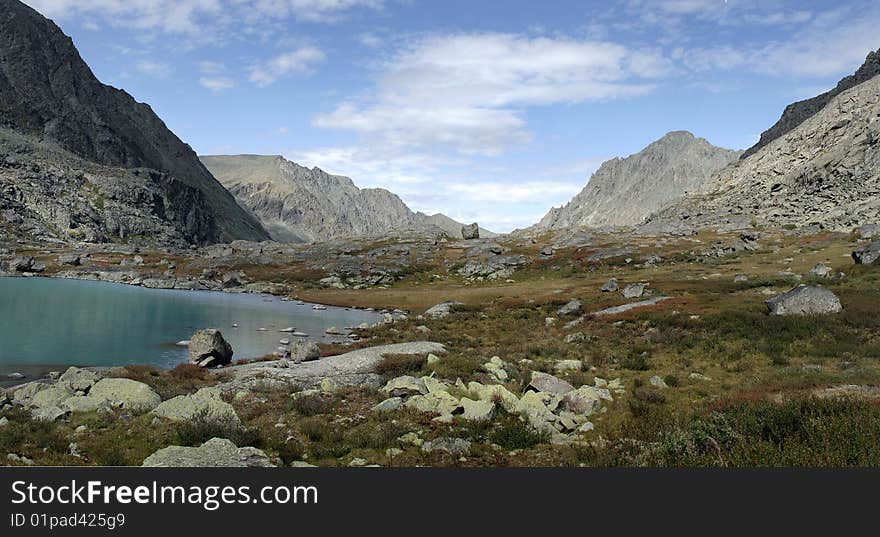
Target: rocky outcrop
{"type": "Point", "coordinates": [868, 254]}
{"type": "Point", "coordinates": [298, 204]}
{"type": "Point", "coordinates": [797, 113]}
{"type": "Point", "coordinates": [215, 453]}
{"type": "Point", "coordinates": [624, 192]}
{"type": "Point", "coordinates": [50, 96]}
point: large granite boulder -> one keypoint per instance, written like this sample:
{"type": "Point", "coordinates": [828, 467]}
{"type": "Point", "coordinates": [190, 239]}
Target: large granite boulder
{"type": "Point", "coordinates": [126, 393]}
{"type": "Point", "coordinates": [205, 403]}
{"type": "Point", "coordinates": [208, 348]}
{"type": "Point", "coordinates": [868, 254]}
{"type": "Point", "coordinates": [805, 300]}
{"type": "Point", "coordinates": [215, 453]}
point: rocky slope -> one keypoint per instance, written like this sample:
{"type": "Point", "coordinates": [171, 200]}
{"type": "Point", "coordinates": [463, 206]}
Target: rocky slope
{"type": "Point", "coordinates": [797, 113]}
{"type": "Point", "coordinates": [824, 173]}
{"type": "Point", "coordinates": [623, 192]}
{"type": "Point", "coordinates": [49, 94]}
{"type": "Point", "coordinates": [53, 195]}
{"type": "Point", "coordinates": [298, 204]}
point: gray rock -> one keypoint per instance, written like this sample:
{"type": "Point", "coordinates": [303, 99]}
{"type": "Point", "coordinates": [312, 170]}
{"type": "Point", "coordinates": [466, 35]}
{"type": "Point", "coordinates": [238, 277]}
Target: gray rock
{"type": "Point", "coordinates": [657, 382]}
{"type": "Point", "coordinates": [805, 300]}
{"type": "Point", "coordinates": [72, 259]}
{"type": "Point", "coordinates": [205, 403]}
{"type": "Point", "coordinates": [610, 286]}
{"type": "Point", "coordinates": [572, 307]}
{"type": "Point", "coordinates": [215, 453]}
{"type": "Point", "coordinates": [78, 380]}
{"type": "Point", "coordinates": [441, 310]}
{"type": "Point", "coordinates": [392, 403]}
{"type": "Point", "coordinates": [453, 446]}
{"type": "Point", "coordinates": [617, 310]}
{"type": "Point", "coordinates": [126, 393]}
{"type": "Point", "coordinates": [634, 290]}
{"type": "Point", "coordinates": [868, 231]}
{"type": "Point", "coordinates": [544, 382]}
{"type": "Point", "coordinates": [470, 231]}
{"type": "Point", "coordinates": [405, 386]}
{"type": "Point", "coordinates": [821, 270]}
{"type": "Point", "coordinates": [868, 254]}
{"type": "Point", "coordinates": [208, 348]}
{"type": "Point", "coordinates": [304, 351]}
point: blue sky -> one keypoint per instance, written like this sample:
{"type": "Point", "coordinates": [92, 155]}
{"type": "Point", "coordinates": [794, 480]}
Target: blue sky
{"type": "Point", "coordinates": [491, 111]}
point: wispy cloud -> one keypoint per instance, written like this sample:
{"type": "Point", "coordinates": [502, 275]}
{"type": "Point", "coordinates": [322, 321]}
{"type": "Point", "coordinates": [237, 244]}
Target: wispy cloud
{"type": "Point", "coordinates": [217, 84]}
{"type": "Point", "coordinates": [464, 90]}
{"type": "Point", "coordinates": [154, 69]}
{"type": "Point", "coordinates": [299, 61]}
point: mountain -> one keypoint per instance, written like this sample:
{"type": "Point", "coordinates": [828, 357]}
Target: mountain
{"type": "Point", "coordinates": [299, 204]}
{"type": "Point", "coordinates": [824, 173]}
{"type": "Point", "coordinates": [50, 96]}
{"type": "Point", "coordinates": [797, 113]}
{"type": "Point", "coordinates": [623, 192]}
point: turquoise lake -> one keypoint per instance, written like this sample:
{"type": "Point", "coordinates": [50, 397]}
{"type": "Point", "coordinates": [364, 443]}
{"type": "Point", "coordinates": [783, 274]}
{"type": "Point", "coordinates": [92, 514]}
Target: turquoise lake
{"type": "Point", "coordinates": [57, 322]}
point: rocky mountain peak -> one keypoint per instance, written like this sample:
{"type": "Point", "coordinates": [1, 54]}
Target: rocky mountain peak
{"type": "Point", "coordinates": [47, 92]}
{"type": "Point", "coordinates": [625, 191]}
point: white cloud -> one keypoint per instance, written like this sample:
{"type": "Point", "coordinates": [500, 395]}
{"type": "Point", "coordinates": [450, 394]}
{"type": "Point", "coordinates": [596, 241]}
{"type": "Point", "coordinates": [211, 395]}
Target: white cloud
{"type": "Point", "coordinates": [465, 91]}
{"type": "Point", "coordinates": [153, 68]}
{"type": "Point", "coordinates": [196, 17]}
{"type": "Point", "coordinates": [216, 83]}
{"type": "Point", "coordinates": [296, 61]}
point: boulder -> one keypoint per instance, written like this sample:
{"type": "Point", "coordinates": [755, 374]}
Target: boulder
{"type": "Point", "coordinates": [495, 367]}
{"type": "Point", "coordinates": [126, 393]}
{"type": "Point", "coordinates": [868, 254]}
{"type": "Point", "coordinates": [477, 410]}
{"type": "Point", "coordinates": [392, 403]}
{"type": "Point", "coordinates": [804, 300]}
{"type": "Point", "coordinates": [569, 365]}
{"type": "Point", "coordinates": [441, 310]}
{"type": "Point", "coordinates": [304, 351]}
{"type": "Point", "coordinates": [586, 400]}
{"type": "Point", "coordinates": [610, 286]}
{"type": "Point", "coordinates": [470, 231]}
{"type": "Point", "coordinates": [215, 453]}
{"type": "Point", "coordinates": [78, 380]}
{"type": "Point", "coordinates": [572, 307]}
{"type": "Point", "coordinates": [208, 348]}
{"type": "Point", "coordinates": [495, 392]}
{"type": "Point", "coordinates": [544, 382]}
{"type": "Point", "coordinates": [404, 386]}
{"type": "Point", "coordinates": [657, 382]}
{"type": "Point", "coordinates": [50, 397]}
{"type": "Point", "coordinates": [634, 290]}
{"type": "Point", "coordinates": [205, 403]}
{"type": "Point", "coordinates": [821, 270]}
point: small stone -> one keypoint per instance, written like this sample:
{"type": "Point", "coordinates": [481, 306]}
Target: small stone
{"type": "Point", "coordinates": [657, 382]}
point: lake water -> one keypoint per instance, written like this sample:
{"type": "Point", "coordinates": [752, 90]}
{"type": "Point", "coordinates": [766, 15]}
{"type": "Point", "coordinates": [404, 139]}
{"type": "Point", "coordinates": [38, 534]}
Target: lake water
{"type": "Point", "coordinates": [57, 322]}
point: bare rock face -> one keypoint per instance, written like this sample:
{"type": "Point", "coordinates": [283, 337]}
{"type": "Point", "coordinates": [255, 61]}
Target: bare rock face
{"type": "Point", "coordinates": [797, 113]}
{"type": "Point", "coordinates": [300, 205]}
{"type": "Point", "coordinates": [470, 231]}
{"type": "Point", "coordinates": [50, 97]}
{"type": "Point", "coordinates": [208, 348]}
{"type": "Point", "coordinates": [804, 300]}
{"type": "Point", "coordinates": [823, 174]}
{"type": "Point", "coordinates": [624, 192]}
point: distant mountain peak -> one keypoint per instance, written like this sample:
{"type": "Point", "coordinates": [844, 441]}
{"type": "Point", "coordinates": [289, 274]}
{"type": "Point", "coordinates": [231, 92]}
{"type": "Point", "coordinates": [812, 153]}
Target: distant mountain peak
{"type": "Point", "coordinates": [625, 191]}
